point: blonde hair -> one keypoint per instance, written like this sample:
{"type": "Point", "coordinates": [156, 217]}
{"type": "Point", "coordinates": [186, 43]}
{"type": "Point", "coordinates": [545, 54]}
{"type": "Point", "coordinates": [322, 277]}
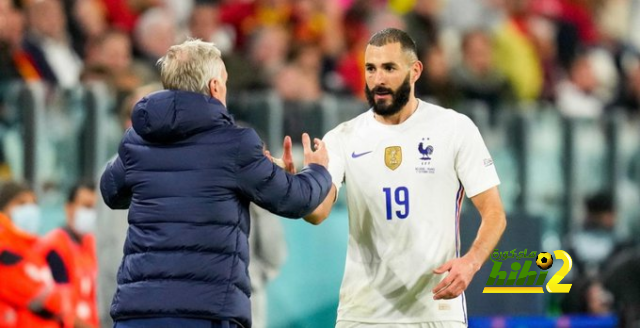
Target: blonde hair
{"type": "Point", "coordinates": [190, 66]}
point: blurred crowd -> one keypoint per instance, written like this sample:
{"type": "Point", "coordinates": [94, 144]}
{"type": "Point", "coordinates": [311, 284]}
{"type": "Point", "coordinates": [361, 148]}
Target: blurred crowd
{"type": "Point", "coordinates": [581, 55]}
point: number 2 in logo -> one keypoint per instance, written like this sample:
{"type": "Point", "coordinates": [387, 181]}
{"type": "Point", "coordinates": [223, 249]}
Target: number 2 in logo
{"type": "Point", "coordinates": [554, 285]}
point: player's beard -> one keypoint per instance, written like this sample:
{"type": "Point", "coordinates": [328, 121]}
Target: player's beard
{"type": "Point", "coordinates": [399, 98]}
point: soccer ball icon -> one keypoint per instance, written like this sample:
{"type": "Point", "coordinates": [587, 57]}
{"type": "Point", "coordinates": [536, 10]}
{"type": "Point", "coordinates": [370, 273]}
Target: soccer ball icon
{"type": "Point", "coordinates": [544, 260]}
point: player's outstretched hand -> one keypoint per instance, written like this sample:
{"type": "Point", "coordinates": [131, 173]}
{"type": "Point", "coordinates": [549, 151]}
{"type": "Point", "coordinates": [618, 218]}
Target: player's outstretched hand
{"type": "Point", "coordinates": [461, 271]}
{"type": "Point", "coordinates": [319, 156]}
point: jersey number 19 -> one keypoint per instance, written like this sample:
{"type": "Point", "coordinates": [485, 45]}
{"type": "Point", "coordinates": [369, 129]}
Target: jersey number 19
{"type": "Point", "coordinates": [399, 197]}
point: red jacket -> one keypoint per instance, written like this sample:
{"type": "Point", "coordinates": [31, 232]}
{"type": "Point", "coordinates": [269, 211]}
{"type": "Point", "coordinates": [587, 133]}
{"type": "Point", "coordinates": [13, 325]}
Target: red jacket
{"type": "Point", "coordinates": [25, 281]}
{"type": "Point", "coordinates": [78, 255]}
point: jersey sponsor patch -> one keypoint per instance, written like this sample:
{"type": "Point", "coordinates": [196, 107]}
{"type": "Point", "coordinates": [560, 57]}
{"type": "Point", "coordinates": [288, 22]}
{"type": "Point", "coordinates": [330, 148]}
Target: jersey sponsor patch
{"type": "Point", "coordinates": [393, 157]}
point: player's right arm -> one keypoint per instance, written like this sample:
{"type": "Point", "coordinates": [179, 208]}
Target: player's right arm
{"type": "Point", "coordinates": [322, 212]}
{"type": "Point", "coordinates": [333, 141]}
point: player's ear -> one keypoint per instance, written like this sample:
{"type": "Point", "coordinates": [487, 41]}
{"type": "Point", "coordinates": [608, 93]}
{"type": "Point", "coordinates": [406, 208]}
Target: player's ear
{"type": "Point", "coordinates": [416, 71]}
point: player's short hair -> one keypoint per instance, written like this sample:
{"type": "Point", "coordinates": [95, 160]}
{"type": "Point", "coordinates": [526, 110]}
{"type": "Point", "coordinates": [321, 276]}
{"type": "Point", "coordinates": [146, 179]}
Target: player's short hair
{"type": "Point", "coordinates": [190, 66]}
{"type": "Point", "coordinates": [393, 35]}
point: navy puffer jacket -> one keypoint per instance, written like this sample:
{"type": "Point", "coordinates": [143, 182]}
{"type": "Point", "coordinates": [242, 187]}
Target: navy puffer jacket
{"type": "Point", "coordinates": [187, 174]}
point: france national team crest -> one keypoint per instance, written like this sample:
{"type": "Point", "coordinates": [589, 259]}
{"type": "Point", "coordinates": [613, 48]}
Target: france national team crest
{"type": "Point", "coordinates": [426, 152]}
{"type": "Point", "coordinates": [393, 157]}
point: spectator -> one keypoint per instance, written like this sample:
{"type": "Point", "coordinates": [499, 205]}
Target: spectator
{"type": "Point", "coordinates": [385, 19]}
{"type": "Point", "coordinates": [71, 254]}
{"type": "Point", "coordinates": [182, 9]}
{"type": "Point", "coordinates": [18, 203]}
{"type": "Point", "coordinates": [248, 17]}
{"type": "Point", "coordinates": [49, 46]}
{"type": "Point", "coordinates": [155, 32]}
{"type": "Point", "coordinates": [266, 55]}
{"type": "Point", "coordinates": [121, 14]}
{"type": "Point", "coordinates": [110, 55]}
{"type": "Point", "coordinates": [87, 21]}
{"type": "Point", "coordinates": [205, 24]}
{"type": "Point", "coordinates": [628, 96]}
{"type": "Point", "coordinates": [476, 78]}
{"type": "Point", "coordinates": [588, 296]}
{"type": "Point", "coordinates": [350, 65]}
{"type": "Point", "coordinates": [545, 34]}
{"type": "Point", "coordinates": [620, 277]}
{"type": "Point", "coordinates": [422, 23]}
{"type": "Point", "coordinates": [27, 294]}
{"type": "Point", "coordinates": [298, 85]}
{"type": "Point", "coordinates": [299, 80]}
{"type": "Point", "coordinates": [435, 84]}
{"type": "Point", "coordinates": [576, 95]}
{"type": "Point", "coordinates": [464, 15]}
{"type": "Point", "coordinates": [309, 21]}
{"type": "Point", "coordinates": [516, 55]}
{"type": "Point", "coordinates": [594, 244]}
{"type": "Point", "coordinates": [11, 35]}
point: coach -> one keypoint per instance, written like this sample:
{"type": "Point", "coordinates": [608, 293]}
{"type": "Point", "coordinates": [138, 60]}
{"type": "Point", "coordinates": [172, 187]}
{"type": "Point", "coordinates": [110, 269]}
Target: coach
{"type": "Point", "coordinates": [187, 174]}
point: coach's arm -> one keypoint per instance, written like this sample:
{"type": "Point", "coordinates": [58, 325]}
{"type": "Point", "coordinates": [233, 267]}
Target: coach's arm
{"type": "Point", "coordinates": [324, 209]}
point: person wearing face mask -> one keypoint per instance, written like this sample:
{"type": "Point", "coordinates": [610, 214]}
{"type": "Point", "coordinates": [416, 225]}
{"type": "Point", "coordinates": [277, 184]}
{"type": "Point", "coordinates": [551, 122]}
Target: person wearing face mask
{"type": "Point", "coordinates": [19, 204]}
{"type": "Point", "coordinates": [71, 255]}
{"type": "Point", "coordinates": [28, 295]}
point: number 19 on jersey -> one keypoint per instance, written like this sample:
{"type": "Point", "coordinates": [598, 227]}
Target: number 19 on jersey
{"type": "Point", "coordinates": [397, 202]}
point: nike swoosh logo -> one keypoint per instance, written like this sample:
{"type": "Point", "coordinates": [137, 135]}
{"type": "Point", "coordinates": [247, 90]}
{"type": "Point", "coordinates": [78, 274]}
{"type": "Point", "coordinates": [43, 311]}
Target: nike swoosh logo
{"type": "Point", "coordinates": [354, 155]}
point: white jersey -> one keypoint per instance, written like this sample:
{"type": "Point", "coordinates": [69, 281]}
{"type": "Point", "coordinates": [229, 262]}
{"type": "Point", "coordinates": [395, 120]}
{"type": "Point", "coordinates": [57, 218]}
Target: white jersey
{"type": "Point", "coordinates": [405, 185]}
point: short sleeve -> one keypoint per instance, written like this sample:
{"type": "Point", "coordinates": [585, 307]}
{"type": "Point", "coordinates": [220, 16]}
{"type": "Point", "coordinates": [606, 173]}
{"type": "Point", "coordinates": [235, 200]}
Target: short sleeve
{"type": "Point", "coordinates": [473, 163]}
{"type": "Point", "coordinates": [336, 158]}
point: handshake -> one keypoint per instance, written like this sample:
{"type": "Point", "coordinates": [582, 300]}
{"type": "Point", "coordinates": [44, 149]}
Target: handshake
{"type": "Point", "coordinates": [318, 156]}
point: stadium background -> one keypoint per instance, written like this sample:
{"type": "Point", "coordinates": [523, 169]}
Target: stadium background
{"type": "Point", "coordinates": [558, 132]}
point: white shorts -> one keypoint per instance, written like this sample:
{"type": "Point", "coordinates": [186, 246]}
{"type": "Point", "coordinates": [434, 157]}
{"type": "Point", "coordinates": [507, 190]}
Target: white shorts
{"type": "Point", "coordinates": [435, 324]}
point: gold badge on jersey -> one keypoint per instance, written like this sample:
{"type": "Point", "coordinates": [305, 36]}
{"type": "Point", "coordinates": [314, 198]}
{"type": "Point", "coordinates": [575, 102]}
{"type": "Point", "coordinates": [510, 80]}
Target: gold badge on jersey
{"type": "Point", "coordinates": [393, 157]}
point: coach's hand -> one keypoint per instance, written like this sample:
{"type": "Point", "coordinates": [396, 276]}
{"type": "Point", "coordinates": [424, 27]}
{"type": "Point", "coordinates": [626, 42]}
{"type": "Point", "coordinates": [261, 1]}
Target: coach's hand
{"type": "Point", "coordinates": [319, 156]}
{"type": "Point", "coordinates": [286, 162]}
{"type": "Point", "coordinates": [461, 271]}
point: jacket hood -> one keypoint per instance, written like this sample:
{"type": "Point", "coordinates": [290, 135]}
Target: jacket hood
{"type": "Point", "coordinates": [172, 115]}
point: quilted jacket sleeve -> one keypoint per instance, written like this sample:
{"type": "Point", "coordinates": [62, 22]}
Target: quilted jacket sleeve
{"type": "Point", "coordinates": [115, 193]}
{"type": "Point", "coordinates": [270, 187]}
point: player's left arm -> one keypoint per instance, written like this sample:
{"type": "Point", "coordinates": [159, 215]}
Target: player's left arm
{"type": "Point", "coordinates": [461, 270]}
